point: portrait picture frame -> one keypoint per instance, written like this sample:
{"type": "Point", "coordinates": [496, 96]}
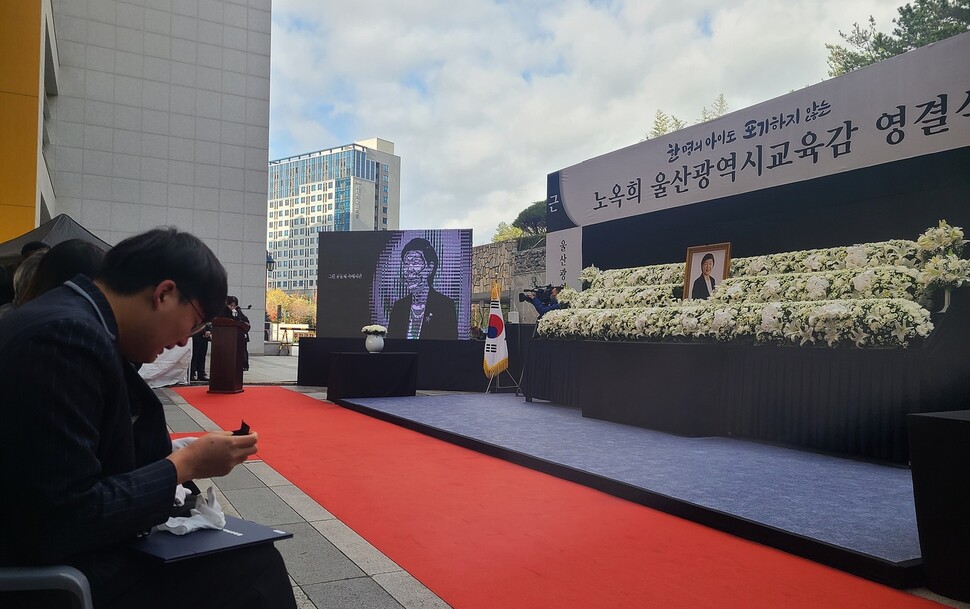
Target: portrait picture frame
{"type": "Point", "coordinates": [693, 270]}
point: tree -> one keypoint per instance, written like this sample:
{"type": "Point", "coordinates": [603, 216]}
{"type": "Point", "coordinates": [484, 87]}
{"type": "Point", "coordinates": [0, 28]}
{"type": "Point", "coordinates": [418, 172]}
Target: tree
{"type": "Point", "coordinates": [294, 309]}
{"type": "Point", "coordinates": [532, 219]}
{"type": "Point", "coordinates": [718, 108]}
{"type": "Point", "coordinates": [276, 298]}
{"type": "Point", "coordinates": [918, 24]}
{"type": "Point", "coordinates": [664, 124]}
{"type": "Point", "coordinates": [506, 232]}
{"type": "Point", "coordinates": [302, 311]}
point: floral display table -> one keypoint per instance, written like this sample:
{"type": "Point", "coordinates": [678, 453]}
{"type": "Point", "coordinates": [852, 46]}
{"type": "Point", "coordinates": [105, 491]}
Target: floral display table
{"type": "Point", "coordinates": [823, 349]}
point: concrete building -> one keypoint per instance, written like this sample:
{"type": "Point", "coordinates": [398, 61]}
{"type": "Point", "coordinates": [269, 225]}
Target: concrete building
{"type": "Point", "coordinates": [132, 114]}
{"type": "Point", "coordinates": [352, 187]}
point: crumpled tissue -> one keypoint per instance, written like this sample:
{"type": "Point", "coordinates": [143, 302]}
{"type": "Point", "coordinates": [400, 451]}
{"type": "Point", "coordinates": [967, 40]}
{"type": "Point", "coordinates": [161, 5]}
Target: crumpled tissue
{"type": "Point", "coordinates": [207, 514]}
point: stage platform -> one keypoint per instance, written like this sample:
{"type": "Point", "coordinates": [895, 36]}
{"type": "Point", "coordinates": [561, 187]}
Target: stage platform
{"type": "Point", "coordinates": [853, 515]}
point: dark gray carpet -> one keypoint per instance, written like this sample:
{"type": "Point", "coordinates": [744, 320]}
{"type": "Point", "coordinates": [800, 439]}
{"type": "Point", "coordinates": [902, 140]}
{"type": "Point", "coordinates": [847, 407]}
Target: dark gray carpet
{"type": "Point", "coordinates": [861, 506]}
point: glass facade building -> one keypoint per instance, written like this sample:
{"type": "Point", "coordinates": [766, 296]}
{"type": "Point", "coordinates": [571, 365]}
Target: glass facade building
{"type": "Point", "coordinates": [352, 187]}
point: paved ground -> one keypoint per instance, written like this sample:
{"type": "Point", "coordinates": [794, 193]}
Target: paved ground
{"type": "Point", "coordinates": [330, 565]}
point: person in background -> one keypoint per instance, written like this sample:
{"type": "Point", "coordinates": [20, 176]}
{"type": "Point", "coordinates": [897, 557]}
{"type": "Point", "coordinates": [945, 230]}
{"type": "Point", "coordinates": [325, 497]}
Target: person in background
{"type": "Point", "coordinates": [21, 280]}
{"type": "Point", "coordinates": [200, 347]}
{"type": "Point", "coordinates": [544, 307]}
{"type": "Point", "coordinates": [32, 247]}
{"type": "Point", "coordinates": [86, 450]}
{"type": "Point", "coordinates": [63, 262]}
{"type": "Point", "coordinates": [233, 311]}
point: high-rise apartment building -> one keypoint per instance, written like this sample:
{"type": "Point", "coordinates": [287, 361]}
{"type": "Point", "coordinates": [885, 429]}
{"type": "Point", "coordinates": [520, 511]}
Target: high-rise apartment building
{"type": "Point", "coordinates": [352, 187]}
{"type": "Point", "coordinates": [128, 115]}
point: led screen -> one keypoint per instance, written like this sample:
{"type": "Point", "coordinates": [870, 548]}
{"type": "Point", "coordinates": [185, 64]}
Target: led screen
{"type": "Point", "coordinates": [417, 283]}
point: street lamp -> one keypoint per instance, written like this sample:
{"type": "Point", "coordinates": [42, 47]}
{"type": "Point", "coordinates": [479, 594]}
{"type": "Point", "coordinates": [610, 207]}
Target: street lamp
{"type": "Point", "coordinates": [270, 265]}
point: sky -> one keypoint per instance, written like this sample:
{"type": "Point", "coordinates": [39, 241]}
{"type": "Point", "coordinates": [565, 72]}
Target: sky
{"type": "Point", "coordinates": [484, 98]}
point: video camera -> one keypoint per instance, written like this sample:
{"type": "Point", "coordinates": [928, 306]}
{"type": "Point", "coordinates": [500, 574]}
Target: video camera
{"type": "Point", "coordinates": [543, 293]}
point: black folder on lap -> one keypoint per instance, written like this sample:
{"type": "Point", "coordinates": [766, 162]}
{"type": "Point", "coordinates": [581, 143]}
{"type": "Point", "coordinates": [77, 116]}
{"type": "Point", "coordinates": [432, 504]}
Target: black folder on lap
{"type": "Point", "coordinates": [238, 533]}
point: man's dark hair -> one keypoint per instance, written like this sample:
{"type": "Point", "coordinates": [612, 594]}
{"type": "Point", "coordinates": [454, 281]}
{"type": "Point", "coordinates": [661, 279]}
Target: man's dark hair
{"type": "Point", "coordinates": [145, 260]}
{"type": "Point", "coordinates": [427, 250]}
{"type": "Point", "coordinates": [33, 246]}
{"type": "Point", "coordinates": [62, 262]}
{"type": "Point", "coordinates": [232, 300]}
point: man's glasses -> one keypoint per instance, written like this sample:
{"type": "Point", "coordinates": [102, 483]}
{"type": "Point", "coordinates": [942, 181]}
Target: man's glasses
{"type": "Point", "coordinates": [202, 324]}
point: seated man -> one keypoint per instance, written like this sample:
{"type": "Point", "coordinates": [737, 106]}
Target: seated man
{"type": "Point", "coordinates": [86, 458]}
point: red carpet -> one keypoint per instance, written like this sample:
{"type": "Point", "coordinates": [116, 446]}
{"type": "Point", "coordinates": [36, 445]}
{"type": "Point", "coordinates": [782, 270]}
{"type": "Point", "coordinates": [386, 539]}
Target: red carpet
{"type": "Point", "coordinates": [483, 533]}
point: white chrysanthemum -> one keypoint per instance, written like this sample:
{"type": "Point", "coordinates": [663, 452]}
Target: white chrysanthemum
{"type": "Point", "coordinates": [816, 287]}
{"type": "Point", "coordinates": [855, 257]}
{"type": "Point", "coordinates": [722, 319]}
{"type": "Point", "coordinates": [863, 281]}
{"type": "Point", "coordinates": [734, 291]}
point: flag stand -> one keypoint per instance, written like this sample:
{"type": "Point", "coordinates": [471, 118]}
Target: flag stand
{"type": "Point", "coordinates": [499, 385]}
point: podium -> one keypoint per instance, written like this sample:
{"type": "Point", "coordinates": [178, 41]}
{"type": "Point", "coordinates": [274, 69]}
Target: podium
{"type": "Point", "coordinates": [228, 346]}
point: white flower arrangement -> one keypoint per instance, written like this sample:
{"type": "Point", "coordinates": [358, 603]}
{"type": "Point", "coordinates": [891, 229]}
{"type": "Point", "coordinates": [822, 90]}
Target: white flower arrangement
{"type": "Point", "coordinates": [941, 239]}
{"type": "Point", "coordinates": [860, 323]}
{"type": "Point", "coordinates": [944, 272]}
{"type": "Point", "coordinates": [568, 295]}
{"type": "Point", "coordinates": [878, 282]}
{"type": "Point", "coordinates": [374, 329]}
{"type": "Point", "coordinates": [625, 296]}
{"type": "Point", "coordinates": [864, 295]}
{"type": "Point", "coordinates": [636, 276]}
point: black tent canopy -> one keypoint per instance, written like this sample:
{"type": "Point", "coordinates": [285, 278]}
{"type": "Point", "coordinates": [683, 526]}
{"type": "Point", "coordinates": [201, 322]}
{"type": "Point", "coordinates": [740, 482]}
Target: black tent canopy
{"type": "Point", "coordinates": [60, 228]}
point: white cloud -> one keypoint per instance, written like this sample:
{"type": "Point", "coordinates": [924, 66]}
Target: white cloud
{"type": "Point", "coordinates": [483, 99]}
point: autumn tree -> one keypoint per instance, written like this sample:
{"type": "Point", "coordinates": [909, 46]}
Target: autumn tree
{"type": "Point", "coordinates": [276, 299]}
{"type": "Point", "coordinates": [293, 309]}
{"type": "Point", "coordinates": [302, 311]}
{"type": "Point", "coordinates": [506, 232]}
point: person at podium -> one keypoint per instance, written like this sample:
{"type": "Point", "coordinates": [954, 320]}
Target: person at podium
{"type": "Point", "coordinates": [424, 312]}
{"type": "Point", "coordinates": [232, 311]}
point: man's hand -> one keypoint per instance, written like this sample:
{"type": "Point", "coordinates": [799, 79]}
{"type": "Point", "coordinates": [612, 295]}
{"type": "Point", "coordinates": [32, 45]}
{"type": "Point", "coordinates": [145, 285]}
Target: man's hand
{"type": "Point", "coordinates": [212, 455]}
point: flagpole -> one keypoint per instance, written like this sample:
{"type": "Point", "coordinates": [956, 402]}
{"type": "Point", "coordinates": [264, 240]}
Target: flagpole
{"type": "Point", "coordinates": [496, 356]}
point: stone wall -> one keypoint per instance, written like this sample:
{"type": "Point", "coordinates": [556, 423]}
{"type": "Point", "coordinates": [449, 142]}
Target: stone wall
{"type": "Point", "coordinates": [515, 271]}
{"type": "Point", "coordinates": [490, 262]}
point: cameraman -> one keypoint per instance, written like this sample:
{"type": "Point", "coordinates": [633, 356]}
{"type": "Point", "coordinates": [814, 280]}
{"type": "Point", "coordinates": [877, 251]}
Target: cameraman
{"type": "Point", "coordinates": [543, 307]}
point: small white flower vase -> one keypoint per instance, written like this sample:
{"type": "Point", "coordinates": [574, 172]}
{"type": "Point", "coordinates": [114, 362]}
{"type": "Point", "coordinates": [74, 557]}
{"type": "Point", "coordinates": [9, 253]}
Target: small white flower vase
{"type": "Point", "coordinates": [374, 343]}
